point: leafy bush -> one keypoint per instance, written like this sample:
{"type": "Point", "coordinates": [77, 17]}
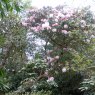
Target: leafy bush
{"type": "Point", "coordinates": [88, 86]}
{"type": "Point", "coordinates": [3, 84]}
{"type": "Point", "coordinates": [29, 75]}
{"type": "Point", "coordinates": [34, 93]}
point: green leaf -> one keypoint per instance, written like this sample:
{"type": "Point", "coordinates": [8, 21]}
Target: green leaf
{"type": "Point", "coordinates": [17, 8]}
{"type": "Point", "coordinates": [2, 40]}
{"type": "Point", "coordinates": [8, 7]}
{"type": "Point", "coordinates": [2, 72]}
{"type": "Point", "coordinates": [2, 14]}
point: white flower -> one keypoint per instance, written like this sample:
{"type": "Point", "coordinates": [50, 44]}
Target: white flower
{"type": "Point", "coordinates": [56, 57]}
{"type": "Point", "coordinates": [45, 25]}
{"type": "Point", "coordinates": [64, 31]}
{"type": "Point", "coordinates": [24, 23]}
{"type": "Point", "coordinates": [51, 60]}
{"type": "Point", "coordinates": [86, 32]}
{"type": "Point", "coordinates": [88, 40]}
{"type": "Point", "coordinates": [54, 30]}
{"type": "Point", "coordinates": [55, 24]}
{"type": "Point", "coordinates": [13, 70]}
{"type": "Point", "coordinates": [31, 18]}
{"type": "Point", "coordinates": [68, 15]}
{"type": "Point", "coordinates": [8, 69]}
{"type": "Point", "coordinates": [19, 71]}
{"type": "Point", "coordinates": [45, 20]}
{"type": "Point", "coordinates": [4, 31]}
{"type": "Point", "coordinates": [31, 80]}
{"type": "Point", "coordinates": [56, 20]}
{"type": "Point", "coordinates": [64, 69]}
{"type": "Point", "coordinates": [82, 23]}
{"type": "Point", "coordinates": [51, 15]}
{"type": "Point", "coordinates": [23, 68]}
{"type": "Point", "coordinates": [48, 57]}
{"type": "Point", "coordinates": [65, 26]}
{"type": "Point", "coordinates": [92, 36]}
{"type": "Point", "coordinates": [50, 79]}
{"type": "Point", "coordinates": [60, 15]}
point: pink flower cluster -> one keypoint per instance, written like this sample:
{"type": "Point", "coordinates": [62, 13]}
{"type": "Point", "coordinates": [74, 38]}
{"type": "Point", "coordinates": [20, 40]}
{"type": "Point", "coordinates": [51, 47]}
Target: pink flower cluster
{"type": "Point", "coordinates": [38, 21]}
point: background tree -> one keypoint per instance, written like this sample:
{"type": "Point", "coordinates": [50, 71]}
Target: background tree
{"type": "Point", "coordinates": [12, 48]}
{"type": "Point", "coordinates": [7, 6]}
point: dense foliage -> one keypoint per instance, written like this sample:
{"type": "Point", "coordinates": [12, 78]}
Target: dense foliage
{"type": "Point", "coordinates": [71, 31]}
{"type": "Point", "coordinates": [7, 6]}
{"type": "Point", "coordinates": [69, 36]}
{"type": "Point", "coordinates": [64, 62]}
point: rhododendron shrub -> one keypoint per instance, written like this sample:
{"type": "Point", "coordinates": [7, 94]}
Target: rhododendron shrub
{"type": "Point", "coordinates": [69, 36]}
{"type": "Point", "coordinates": [69, 30]}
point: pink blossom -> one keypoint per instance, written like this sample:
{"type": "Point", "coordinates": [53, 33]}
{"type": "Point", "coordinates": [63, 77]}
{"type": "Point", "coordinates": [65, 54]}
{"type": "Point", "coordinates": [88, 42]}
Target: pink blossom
{"type": "Point", "coordinates": [65, 18]}
{"type": "Point", "coordinates": [64, 31]}
{"type": "Point", "coordinates": [70, 12]}
{"type": "Point", "coordinates": [31, 18]}
{"type": "Point", "coordinates": [51, 60]}
{"type": "Point", "coordinates": [60, 14]}
{"type": "Point", "coordinates": [24, 23]}
{"type": "Point", "coordinates": [68, 15]}
{"type": "Point", "coordinates": [39, 27]}
{"type": "Point", "coordinates": [56, 57]}
{"type": "Point", "coordinates": [65, 49]}
{"type": "Point", "coordinates": [65, 26]}
{"type": "Point", "coordinates": [44, 20]}
{"type": "Point", "coordinates": [33, 28]}
{"type": "Point", "coordinates": [45, 25]}
{"type": "Point", "coordinates": [50, 79]}
{"type": "Point", "coordinates": [48, 28]}
{"type": "Point", "coordinates": [56, 24]}
{"type": "Point", "coordinates": [36, 29]}
{"type": "Point", "coordinates": [32, 10]}
{"type": "Point", "coordinates": [49, 51]}
{"type": "Point", "coordinates": [46, 73]}
{"type": "Point", "coordinates": [56, 14]}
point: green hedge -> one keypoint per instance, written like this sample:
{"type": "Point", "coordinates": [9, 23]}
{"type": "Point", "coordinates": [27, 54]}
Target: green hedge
{"type": "Point", "coordinates": [26, 93]}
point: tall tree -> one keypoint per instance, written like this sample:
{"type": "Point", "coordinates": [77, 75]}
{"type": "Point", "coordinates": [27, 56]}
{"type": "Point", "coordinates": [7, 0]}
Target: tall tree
{"type": "Point", "coordinates": [7, 6]}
